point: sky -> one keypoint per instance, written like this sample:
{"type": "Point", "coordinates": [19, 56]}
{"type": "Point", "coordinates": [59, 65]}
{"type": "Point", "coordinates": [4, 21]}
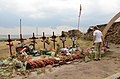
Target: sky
{"type": "Point", "coordinates": [54, 15]}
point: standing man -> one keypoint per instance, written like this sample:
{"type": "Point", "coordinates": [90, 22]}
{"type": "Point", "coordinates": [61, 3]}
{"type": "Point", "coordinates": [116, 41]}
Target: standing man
{"type": "Point", "coordinates": [97, 41]}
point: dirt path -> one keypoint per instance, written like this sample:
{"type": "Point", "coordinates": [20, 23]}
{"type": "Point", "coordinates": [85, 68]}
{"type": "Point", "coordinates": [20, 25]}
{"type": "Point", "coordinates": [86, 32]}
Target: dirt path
{"type": "Point", "coordinates": [92, 70]}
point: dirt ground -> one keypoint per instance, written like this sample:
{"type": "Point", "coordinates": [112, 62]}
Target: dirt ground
{"type": "Point", "coordinates": [107, 66]}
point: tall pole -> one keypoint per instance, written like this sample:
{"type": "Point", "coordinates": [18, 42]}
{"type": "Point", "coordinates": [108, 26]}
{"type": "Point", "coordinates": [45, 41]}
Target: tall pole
{"type": "Point", "coordinates": [54, 40]}
{"type": "Point", "coordinates": [44, 40]}
{"type": "Point", "coordinates": [79, 16]}
{"type": "Point", "coordinates": [20, 27]}
{"type": "Point", "coordinates": [37, 32]}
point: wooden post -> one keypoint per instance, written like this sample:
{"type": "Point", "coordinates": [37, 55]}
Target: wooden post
{"type": "Point", "coordinates": [110, 24]}
{"type": "Point", "coordinates": [10, 44]}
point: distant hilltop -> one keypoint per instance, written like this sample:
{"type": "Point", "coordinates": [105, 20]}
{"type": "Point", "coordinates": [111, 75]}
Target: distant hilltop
{"type": "Point", "coordinates": [113, 34]}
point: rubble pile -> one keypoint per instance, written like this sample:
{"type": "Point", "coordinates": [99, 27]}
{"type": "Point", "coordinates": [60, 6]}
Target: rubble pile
{"type": "Point", "coordinates": [113, 34]}
{"type": "Point", "coordinates": [74, 32]}
{"type": "Point", "coordinates": [27, 59]}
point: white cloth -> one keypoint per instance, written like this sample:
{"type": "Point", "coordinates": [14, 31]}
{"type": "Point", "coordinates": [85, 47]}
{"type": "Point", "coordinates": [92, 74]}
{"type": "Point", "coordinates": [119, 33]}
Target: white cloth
{"type": "Point", "coordinates": [98, 35]}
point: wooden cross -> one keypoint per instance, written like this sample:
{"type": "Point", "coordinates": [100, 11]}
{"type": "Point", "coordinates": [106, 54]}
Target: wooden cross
{"type": "Point", "coordinates": [53, 39]}
{"type": "Point", "coordinates": [63, 38]}
{"type": "Point", "coordinates": [43, 39]}
{"type": "Point", "coordinates": [34, 40]}
{"type": "Point", "coordinates": [21, 39]}
{"type": "Point", "coordinates": [10, 44]}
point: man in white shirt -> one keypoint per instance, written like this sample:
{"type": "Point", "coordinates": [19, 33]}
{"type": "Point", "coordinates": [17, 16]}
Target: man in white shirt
{"type": "Point", "coordinates": [97, 41]}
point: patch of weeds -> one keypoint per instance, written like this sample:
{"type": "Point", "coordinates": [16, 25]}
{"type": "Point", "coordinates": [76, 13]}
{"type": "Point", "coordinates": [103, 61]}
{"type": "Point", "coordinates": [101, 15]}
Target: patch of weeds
{"type": "Point", "coordinates": [3, 58]}
{"type": "Point", "coordinates": [39, 72]}
{"type": "Point", "coordinates": [106, 54]}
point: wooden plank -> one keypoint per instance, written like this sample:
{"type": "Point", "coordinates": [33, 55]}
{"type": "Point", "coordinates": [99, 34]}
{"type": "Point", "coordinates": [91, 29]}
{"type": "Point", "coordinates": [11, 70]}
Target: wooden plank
{"type": "Point", "coordinates": [114, 76]}
{"type": "Point", "coordinates": [110, 23]}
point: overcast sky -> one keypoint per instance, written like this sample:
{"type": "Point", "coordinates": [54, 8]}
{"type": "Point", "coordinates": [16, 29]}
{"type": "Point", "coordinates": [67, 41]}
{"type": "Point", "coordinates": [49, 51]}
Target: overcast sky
{"type": "Point", "coordinates": [54, 15]}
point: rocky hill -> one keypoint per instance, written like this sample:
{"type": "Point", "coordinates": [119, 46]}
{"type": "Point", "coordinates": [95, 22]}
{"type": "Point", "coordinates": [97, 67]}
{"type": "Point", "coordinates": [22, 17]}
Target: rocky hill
{"type": "Point", "coordinates": [113, 34]}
